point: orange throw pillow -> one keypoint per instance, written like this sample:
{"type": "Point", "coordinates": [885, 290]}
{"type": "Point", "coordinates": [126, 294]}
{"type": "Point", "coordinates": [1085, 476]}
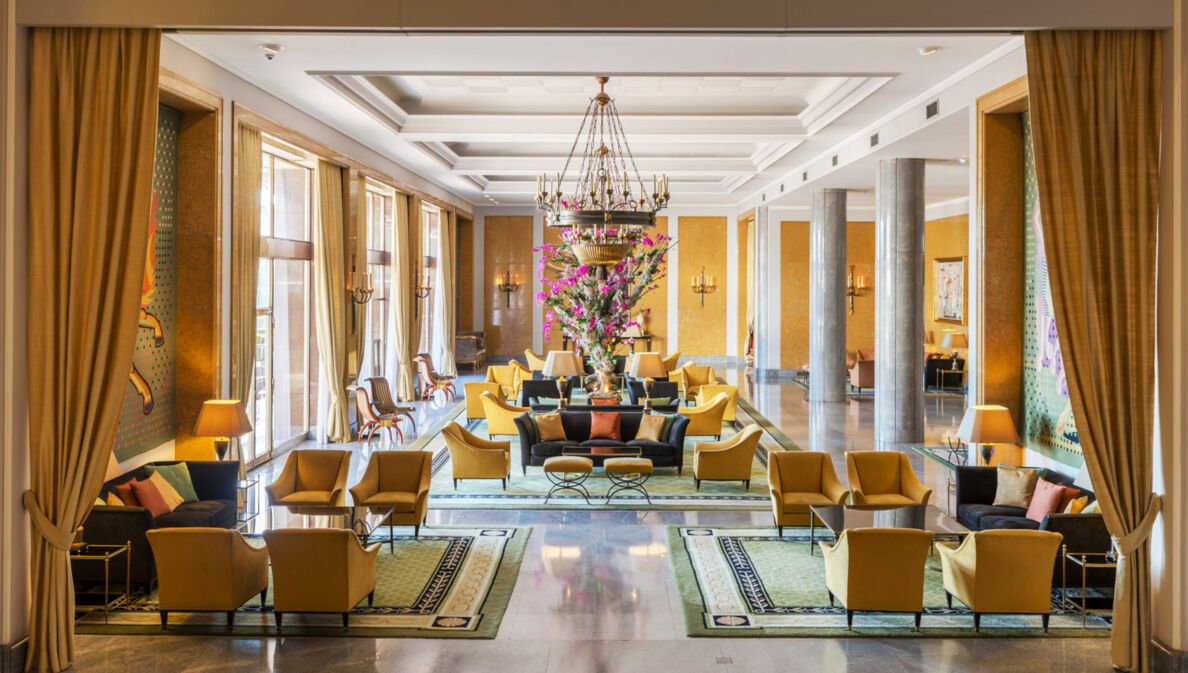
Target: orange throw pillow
{"type": "Point", "coordinates": [605, 425]}
{"type": "Point", "coordinates": [1070, 494]}
{"type": "Point", "coordinates": [150, 498]}
{"type": "Point", "coordinates": [126, 495]}
{"type": "Point", "coordinates": [604, 401]}
{"type": "Point", "coordinates": [1045, 500]}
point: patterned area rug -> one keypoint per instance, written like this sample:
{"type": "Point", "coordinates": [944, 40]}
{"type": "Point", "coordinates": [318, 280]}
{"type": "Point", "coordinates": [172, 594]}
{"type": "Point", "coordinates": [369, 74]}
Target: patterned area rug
{"type": "Point", "coordinates": [666, 489]}
{"type": "Point", "coordinates": [452, 583]}
{"type": "Point", "coordinates": [747, 582]}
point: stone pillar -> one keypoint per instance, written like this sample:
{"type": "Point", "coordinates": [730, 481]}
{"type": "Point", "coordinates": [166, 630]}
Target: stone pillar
{"type": "Point", "coordinates": [827, 296]}
{"type": "Point", "coordinates": [767, 293]}
{"type": "Point", "coordinates": [899, 301]}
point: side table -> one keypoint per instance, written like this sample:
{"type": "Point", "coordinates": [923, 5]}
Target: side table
{"type": "Point", "coordinates": [1085, 560]}
{"type": "Point", "coordinates": [84, 601]}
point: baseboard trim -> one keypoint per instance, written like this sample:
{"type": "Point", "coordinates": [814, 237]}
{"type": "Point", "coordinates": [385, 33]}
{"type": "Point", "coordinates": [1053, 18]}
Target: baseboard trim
{"type": "Point", "coordinates": [1165, 659]}
{"type": "Point", "coordinates": [12, 656]}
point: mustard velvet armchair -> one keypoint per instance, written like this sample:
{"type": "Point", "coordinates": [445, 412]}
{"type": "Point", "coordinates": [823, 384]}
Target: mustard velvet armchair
{"type": "Point", "coordinates": [691, 377]}
{"type": "Point", "coordinates": [877, 570]}
{"type": "Point", "coordinates": [474, 458]}
{"type": "Point", "coordinates": [670, 362]}
{"type": "Point", "coordinates": [501, 416]}
{"type": "Point", "coordinates": [473, 393]}
{"type": "Point", "coordinates": [884, 479]}
{"type": "Point", "coordinates": [320, 570]}
{"type": "Point", "coordinates": [508, 376]}
{"type": "Point", "coordinates": [535, 362]}
{"type": "Point", "coordinates": [400, 480]}
{"type": "Point", "coordinates": [797, 480]}
{"type": "Point", "coordinates": [311, 478]}
{"type": "Point", "coordinates": [706, 420]}
{"type": "Point", "coordinates": [207, 569]}
{"type": "Point", "coordinates": [727, 460]}
{"type": "Point", "coordinates": [1001, 571]}
{"type": "Point", "coordinates": [709, 391]}
{"type": "Point", "coordinates": [862, 374]}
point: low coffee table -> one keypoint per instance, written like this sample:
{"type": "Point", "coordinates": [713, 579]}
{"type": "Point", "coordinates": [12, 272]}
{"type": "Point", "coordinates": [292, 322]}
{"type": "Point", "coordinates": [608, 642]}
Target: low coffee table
{"type": "Point", "coordinates": [920, 517]}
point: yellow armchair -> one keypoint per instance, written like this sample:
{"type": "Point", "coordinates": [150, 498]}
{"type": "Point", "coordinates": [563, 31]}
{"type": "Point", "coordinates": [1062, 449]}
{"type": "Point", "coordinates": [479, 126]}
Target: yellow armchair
{"type": "Point", "coordinates": [706, 420]}
{"type": "Point", "coordinates": [311, 478]}
{"type": "Point", "coordinates": [877, 570]}
{"type": "Point", "coordinates": [1001, 571]}
{"type": "Point", "coordinates": [884, 479]}
{"type": "Point", "coordinates": [320, 570]}
{"type": "Point", "coordinates": [536, 362]}
{"type": "Point", "coordinates": [508, 377]}
{"type": "Point", "coordinates": [473, 393]}
{"type": "Point", "coordinates": [400, 480]}
{"type": "Point", "coordinates": [691, 377]}
{"type": "Point", "coordinates": [474, 458]}
{"type": "Point", "coordinates": [728, 459]}
{"type": "Point", "coordinates": [501, 416]}
{"type": "Point", "coordinates": [797, 480]}
{"type": "Point", "coordinates": [207, 569]}
{"type": "Point", "coordinates": [709, 391]}
{"type": "Point", "coordinates": [670, 362]}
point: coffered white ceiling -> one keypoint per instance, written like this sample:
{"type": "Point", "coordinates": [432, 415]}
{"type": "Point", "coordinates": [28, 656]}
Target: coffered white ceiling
{"type": "Point", "coordinates": [482, 115]}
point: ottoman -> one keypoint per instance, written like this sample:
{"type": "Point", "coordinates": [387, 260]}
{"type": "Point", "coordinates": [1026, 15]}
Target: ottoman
{"type": "Point", "coordinates": [627, 474]}
{"type": "Point", "coordinates": [567, 473]}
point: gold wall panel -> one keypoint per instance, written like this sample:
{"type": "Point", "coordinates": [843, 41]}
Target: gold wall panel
{"type": "Point", "coordinates": [860, 251]}
{"type": "Point", "coordinates": [657, 301]}
{"type": "Point", "coordinates": [794, 294]}
{"type": "Point", "coordinates": [944, 237]}
{"type": "Point", "coordinates": [507, 245]}
{"type": "Point", "coordinates": [702, 329]}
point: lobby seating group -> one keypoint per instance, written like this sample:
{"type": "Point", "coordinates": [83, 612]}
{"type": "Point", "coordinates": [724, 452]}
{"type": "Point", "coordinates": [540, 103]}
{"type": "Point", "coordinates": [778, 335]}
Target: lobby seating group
{"type": "Point", "coordinates": [799, 479]}
{"type": "Point", "coordinates": [668, 452]}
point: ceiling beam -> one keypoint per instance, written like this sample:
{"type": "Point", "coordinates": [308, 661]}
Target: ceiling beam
{"type": "Point", "coordinates": [673, 166]}
{"type": "Point", "coordinates": [639, 128]}
{"type": "Point", "coordinates": [528, 187]}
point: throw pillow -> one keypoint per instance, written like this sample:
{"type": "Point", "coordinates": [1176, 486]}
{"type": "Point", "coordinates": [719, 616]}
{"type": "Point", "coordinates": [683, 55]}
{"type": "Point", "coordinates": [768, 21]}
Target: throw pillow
{"type": "Point", "coordinates": [149, 497]}
{"type": "Point", "coordinates": [178, 476]}
{"type": "Point", "coordinates": [1070, 494]}
{"type": "Point", "coordinates": [168, 493]}
{"type": "Point", "coordinates": [1077, 505]}
{"type": "Point", "coordinates": [549, 427]}
{"type": "Point", "coordinates": [650, 426]}
{"type": "Point", "coordinates": [605, 425]}
{"type": "Point", "coordinates": [1044, 500]}
{"type": "Point", "coordinates": [1015, 486]}
{"type": "Point", "coordinates": [605, 401]}
{"type": "Point", "coordinates": [113, 500]}
{"type": "Point", "coordinates": [99, 501]}
{"type": "Point", "coordinates": [1092, 508]}
{"type": "Point", "coordinates": [126, 495]}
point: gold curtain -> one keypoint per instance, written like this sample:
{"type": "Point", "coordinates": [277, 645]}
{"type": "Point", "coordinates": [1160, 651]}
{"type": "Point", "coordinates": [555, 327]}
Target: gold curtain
{"type": "Point", "coordinates": [402, 298]}
{"type": "Point", "coordinates": [360, 310]}
{"type": "Point", "coordinates": [1095, 114]}
{"type": "Point", "coordinates": [330, 310]}
{"type": "Point", "coordinates": [752, 256]}
{"type": "Point", "coordinates": [245, 265]}
{"type": "Point", "coordinates": [92, 131]}
{"type": "Point", "coordinates": [447, 294]}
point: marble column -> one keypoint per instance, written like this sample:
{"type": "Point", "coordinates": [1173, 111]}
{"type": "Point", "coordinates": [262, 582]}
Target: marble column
{"type": "Point", "coordinates": [827, 296]}
{"type": "Point", "coordinates": [899, 301]}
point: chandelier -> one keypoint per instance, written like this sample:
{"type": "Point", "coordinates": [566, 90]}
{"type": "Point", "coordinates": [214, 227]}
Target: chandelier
{"type": "Point", "coordinates": [608, 204]}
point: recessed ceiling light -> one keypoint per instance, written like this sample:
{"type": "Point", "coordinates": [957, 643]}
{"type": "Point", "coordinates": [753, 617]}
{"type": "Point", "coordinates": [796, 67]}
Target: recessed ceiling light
{"type": "Point", "coordinates": [963, 159]}
{"type": "Point", "coordinates": [271, 50]}
{"type": "Point", "coordinates": [927, 51]}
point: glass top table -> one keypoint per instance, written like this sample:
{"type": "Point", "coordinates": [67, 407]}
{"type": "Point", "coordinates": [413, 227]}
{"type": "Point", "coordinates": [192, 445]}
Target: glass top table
{"type": "Point", "coordinates": [919, 517]}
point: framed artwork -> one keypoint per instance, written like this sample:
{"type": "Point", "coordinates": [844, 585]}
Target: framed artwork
{"type": "Point", "coordinates": [949, 274]}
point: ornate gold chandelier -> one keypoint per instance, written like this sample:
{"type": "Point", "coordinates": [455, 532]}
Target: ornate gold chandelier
{"type": "Point", "coordinates": [608, 202]}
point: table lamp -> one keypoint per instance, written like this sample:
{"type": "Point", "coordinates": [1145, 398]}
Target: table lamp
{"type": "Point", "coordinates": [222, 419]}
{"type": "Point", "coordinates": [647, 366]}
{"type": "Point", "coordinates": [988, 424]}
{"type": "Point", "coordinates": [561, 364]}
{"type": "Point", "coordinates": [955, 340]}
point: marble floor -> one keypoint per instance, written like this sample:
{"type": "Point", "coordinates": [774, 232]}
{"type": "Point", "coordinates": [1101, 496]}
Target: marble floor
{"type": "Point", "coordinates": [613, 607]}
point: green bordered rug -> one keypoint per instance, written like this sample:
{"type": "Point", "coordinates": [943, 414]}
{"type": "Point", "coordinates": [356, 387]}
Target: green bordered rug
{"type": "Point", "coordinates": [452, 583]}
{"type": "Point", "coordinates": [746, 582]}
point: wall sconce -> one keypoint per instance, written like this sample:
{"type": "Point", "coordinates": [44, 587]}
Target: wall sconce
{"type": "Point", "coordinates": [360, 287]}
{"type": "Point", "coordinates": [507, 283]}
{"type": "Point", "coordinates": [703, 285]}
{"type": "Point", "coordinates": [856, 286]}
{"type": "Point", "coordinates": [421, 289]}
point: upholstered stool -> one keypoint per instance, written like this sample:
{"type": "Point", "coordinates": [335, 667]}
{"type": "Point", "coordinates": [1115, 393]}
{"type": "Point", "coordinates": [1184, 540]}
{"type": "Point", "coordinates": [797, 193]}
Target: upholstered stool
{"type": "Point", "coordinates": [627, 474]}
{"type": "Point", "coordinates": [568, 473]}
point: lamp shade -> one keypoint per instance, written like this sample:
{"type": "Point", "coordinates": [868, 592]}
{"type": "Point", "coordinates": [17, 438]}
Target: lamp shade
{"type": "Point", "coordinates": [955, 340]}
{"type": "Point", "coordinates": [561, 363]}
{"type": "Point", "coordinates": [988, 424]}
{"type": "Point", "coordinates": [648, 365]}
{"type": "Point", "coordinates": [222, 418]}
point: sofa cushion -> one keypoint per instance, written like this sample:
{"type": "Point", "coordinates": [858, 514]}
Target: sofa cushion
{"type": "Point", "coordinates": [971, 515]}
{"type": "Point", "coordinates": [650, 427]}
{"type": "Point", "coordinates": [178, 475]}
{"type": "Point", "coordinates": [548, 427]}
{"type": "Point", "coordinates": [126, 495]}
{"type": "Point", "coordinates": [1015, 486]}
{"type": "Point", "coordinates": [1008, 522]}
{"type": "Point", "coordinates": [306, 498]}
{"type": "Point", "coordinates": [605, 425]}
{"type": "Point", "coordinates": [401, 502]}
{"type": "Point", "coordinates": [805, 499]}
{"type": "Point", "coordinates": [603, 444]}
{"type": "Point", "coordinates": [149, 497]}
{"type": "Point", "coordinates": [1045, 500]}
{"type": "Point", "coordinates": [168, 493]}
{"type": "Point", "coordinates": [180, 518]}
{"type": "Point", "coordinates": [546, 449]}
{"type": "Point", "coordinates": [649, 448]}
{"type": "Point", "coordinates": [224, 511]}
{"type": "Point", "coordinates": [888, 499]}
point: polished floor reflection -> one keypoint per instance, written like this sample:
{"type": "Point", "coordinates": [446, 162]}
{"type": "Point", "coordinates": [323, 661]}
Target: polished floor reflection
{"type": "Point", "coordinates": [595, 594]}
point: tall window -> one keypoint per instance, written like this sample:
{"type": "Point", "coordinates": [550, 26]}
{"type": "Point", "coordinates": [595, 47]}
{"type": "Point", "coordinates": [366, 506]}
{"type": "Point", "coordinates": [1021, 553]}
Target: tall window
{"type": "Point", "coordinates": [431, 306]}
{"type": "Point", "coordinates": [380, 243]}
{"type": "Point", "coordinates": [284, 394]}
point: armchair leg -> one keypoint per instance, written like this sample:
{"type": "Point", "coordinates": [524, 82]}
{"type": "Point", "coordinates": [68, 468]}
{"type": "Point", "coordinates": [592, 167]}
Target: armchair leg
{"type": "Point", "coordinates": [371, 598]}
{"type": "Point", "coordinates": [780, 531]}
{"type": "Point", "coordinates": [504, 482]}
{"type": "Point", "coordinates": [263, 598]}
{"type": "Point", "coordinates": [977, 622]}
{"type": "Point", "coordinates": [830, 597]}
{"type": "Point", "coordinates": [230, 618]}
{"type": "Point", "coordinates": [455, 484]}
{"type": "Point", "coordinates": [746, 484]}
{"type": "Point", "coordinates": [1045, 617]}
{"type": "Point", "coordinates": [417, 531]}
{"type": "Point", "coordinates": [346, 619]}
{"type": "Point", "coordinates": [280, 617]}
{"type": "Point", "coordinates": [697, 483]}
{"type": "Point", "coordinates": [849, 620]}
{"type": "Point", "coordinates": [164, 619]}
{"type": "Point", "coordinates": [918, 615]}
{"type": "Point", "coordinates": [949, 599]}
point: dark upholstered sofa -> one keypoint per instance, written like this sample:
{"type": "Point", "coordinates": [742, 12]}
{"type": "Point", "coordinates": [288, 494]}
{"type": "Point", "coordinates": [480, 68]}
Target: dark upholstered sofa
{"type": "Point", "coordinates": [669, 453]}
{"type": "Point", "coordinates": [976, 487]}
{"type": "Point", "coordinates": [214, 484]}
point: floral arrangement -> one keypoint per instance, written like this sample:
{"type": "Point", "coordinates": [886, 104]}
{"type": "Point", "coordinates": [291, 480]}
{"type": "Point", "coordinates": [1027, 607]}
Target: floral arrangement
{"type": "Point", "coordinates": [593, 304]}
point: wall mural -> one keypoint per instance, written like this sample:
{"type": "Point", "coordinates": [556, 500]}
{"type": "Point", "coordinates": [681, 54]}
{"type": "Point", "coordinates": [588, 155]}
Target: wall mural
{"type": "Point", "coordinates": [1047, 412]}
{"type": "Point", "coordinates": [146, 418]}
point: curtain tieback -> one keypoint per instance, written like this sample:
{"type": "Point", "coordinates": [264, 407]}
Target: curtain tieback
{"type": "Point", "coordinates": [58, 537]}
{"type": "Point", "coordinates": [1131, 541]}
